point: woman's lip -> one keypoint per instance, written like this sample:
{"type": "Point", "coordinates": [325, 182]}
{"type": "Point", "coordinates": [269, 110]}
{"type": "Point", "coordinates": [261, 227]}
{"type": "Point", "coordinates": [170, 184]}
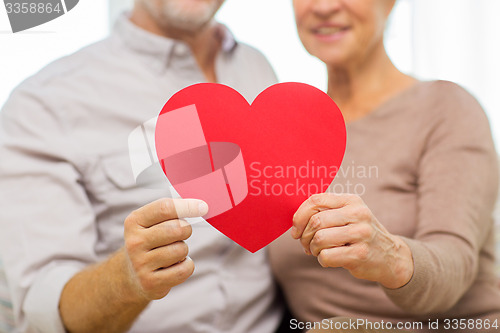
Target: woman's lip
{"type": "Point", "coordinates": [330, 33]}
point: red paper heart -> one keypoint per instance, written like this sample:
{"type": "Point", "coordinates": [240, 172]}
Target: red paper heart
{"type": "Point", "coordinates": [292, 140]}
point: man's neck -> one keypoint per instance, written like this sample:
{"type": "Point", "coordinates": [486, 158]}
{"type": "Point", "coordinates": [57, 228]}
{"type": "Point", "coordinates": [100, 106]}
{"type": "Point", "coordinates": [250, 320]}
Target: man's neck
{"type": "Point", "coordinates": [204, 43]}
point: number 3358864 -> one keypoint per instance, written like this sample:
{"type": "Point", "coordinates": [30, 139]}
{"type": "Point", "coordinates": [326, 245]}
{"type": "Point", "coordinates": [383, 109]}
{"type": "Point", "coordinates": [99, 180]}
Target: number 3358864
{"type": "Point", "coordinates": [32, 8]}
{"type": "Point", "coordinates": [470, 324]}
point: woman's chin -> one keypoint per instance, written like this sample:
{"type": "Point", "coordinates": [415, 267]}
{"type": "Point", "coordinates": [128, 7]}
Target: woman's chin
{"type": "Point", "coordinates": [334, 60]}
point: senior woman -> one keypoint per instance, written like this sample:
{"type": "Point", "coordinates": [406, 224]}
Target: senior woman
{"type": "Point", "coordinates": [415, 244]}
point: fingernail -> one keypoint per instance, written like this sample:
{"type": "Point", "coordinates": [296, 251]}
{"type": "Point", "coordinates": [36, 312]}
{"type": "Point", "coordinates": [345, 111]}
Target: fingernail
{"type": "Point", "coordinates": [294, 232]}
{"type": "Point", "coordinates": [202, 208]}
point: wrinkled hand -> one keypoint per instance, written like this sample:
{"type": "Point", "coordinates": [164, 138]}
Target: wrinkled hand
{"type": "Point", "coordinates": [341, 231]}
{"type": "Point", "coordinates": [154, 243]}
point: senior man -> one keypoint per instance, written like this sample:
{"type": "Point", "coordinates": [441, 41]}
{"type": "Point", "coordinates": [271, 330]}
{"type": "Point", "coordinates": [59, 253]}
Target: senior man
{"type": "Point", "coordinates": [67, 188]}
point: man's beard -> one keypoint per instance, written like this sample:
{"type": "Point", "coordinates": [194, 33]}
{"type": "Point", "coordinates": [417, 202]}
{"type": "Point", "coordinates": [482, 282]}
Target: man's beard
{"type": "Point", "coordinates": [188, 15]}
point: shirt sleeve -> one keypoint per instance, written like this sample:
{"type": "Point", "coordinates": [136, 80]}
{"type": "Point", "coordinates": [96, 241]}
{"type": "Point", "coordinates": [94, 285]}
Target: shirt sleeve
{"type": "Point", "coordinates": [457, 189]}
{"type": "Point", "coordinates": [47, 222]}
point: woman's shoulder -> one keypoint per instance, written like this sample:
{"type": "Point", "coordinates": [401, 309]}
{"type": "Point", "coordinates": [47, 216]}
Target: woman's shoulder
{"type": "Point", "coordinates": [446, 93]}
{"type": "Point", "coordinates": [443, 85]}
{"type": "Point", "coordinates": [451, 110]}
{"type": "Point", "coordinates": [445, 99]}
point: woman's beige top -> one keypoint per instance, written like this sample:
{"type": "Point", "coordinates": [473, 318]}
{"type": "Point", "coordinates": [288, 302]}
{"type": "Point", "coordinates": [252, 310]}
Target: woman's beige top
{"type": "Point", "coordinates": [425, 164]}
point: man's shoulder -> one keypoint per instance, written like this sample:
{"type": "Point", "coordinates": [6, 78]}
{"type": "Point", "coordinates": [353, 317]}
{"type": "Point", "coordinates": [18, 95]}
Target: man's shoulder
{"type": "Point", "coordinates": [255, 64]}
{"type": "Point", "coordinates": [59, 81]}
{"type": "Point", "coordinates": [246, 50]}
{"type": "Point", "coordinates": [63, 68]}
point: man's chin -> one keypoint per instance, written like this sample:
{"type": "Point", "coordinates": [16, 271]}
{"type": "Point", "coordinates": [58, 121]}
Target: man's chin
{"type": "Point", "coordinates": [190, 17]}
{"type": "Point", "coordinates": [188, 26]}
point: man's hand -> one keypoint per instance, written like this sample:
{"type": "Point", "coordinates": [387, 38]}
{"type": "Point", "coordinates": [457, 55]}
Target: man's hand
{"type": "Point", "coordinates": [342, 231]}
{"type": "Point", "coordinates": [155, 247]}
{"type": "Point", "coordinates": [109, 296]}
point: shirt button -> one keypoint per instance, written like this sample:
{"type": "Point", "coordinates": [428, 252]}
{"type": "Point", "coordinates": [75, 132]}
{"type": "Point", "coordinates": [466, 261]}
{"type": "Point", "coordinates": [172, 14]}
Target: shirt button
{"type": "Point", "coordinates": [181, 50]}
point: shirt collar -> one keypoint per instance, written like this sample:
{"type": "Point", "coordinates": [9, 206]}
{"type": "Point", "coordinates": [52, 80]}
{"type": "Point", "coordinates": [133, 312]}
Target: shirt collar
{"type": "Point", "coordinates": [158, 47]}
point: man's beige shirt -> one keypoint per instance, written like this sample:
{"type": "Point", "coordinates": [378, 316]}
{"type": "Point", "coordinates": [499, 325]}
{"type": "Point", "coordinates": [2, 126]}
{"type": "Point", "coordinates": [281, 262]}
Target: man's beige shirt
{"type": "Point", "coordinates": [66, 183]}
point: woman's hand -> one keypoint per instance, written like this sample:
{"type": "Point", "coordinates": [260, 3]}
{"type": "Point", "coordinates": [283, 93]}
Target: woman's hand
{"type": "Point", "coordinates": [342, 231]}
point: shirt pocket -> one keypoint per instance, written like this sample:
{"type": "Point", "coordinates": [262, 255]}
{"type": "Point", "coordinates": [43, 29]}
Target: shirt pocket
{"type": "Point", "coordinates": [117, 171]}
{"type": "Point", "coordinates": [108, 175]}
{"type": "Point", "coordinates": [112, 183]}
{"type": "Point", "coordinates": [112, 188]}
{"type": "Point", "coordinates": [114, 194]}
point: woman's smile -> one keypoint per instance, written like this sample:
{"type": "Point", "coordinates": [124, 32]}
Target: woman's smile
{"type": "Point", "coordinates": [330, 32]}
